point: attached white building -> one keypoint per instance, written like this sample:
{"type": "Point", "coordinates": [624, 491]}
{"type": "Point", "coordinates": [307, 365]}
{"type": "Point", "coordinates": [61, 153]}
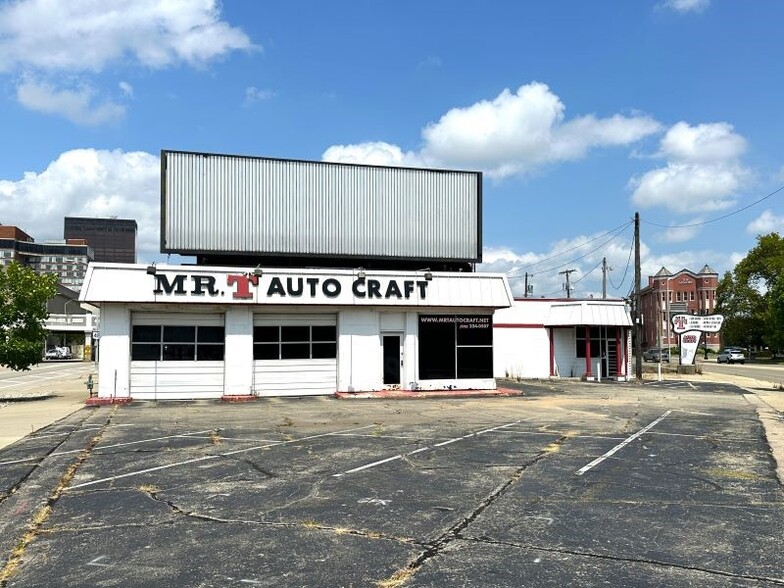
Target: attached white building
{"type": "Point", "coordinates": [543, 338]}
{"type": "Point", "coordinates": [188, 332]}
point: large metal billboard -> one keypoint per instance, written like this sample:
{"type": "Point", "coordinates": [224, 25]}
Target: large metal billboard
{"type": "Point", "coordinates": [235, 205]}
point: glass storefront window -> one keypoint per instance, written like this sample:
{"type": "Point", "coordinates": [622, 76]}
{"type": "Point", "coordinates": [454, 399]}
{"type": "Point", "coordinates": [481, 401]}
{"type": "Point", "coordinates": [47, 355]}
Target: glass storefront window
{"type": "Point", "coordinates": [455, 346]}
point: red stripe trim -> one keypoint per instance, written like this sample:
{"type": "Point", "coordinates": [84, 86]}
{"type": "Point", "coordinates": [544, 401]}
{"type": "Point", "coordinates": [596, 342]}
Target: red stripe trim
{"type": "Point", "coordinates": [517, 326]}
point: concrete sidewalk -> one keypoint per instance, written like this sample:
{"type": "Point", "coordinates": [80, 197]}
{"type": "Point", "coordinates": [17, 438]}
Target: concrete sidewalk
{"type": "Point", "coordinates": [30, 407]}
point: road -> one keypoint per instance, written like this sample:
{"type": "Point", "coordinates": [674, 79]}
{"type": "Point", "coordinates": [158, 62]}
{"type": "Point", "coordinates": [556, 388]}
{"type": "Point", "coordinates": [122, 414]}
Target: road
{"type": "Point", "coordinates": [40, 375]}
{"type": "Point", "coordinates": [766, 373]}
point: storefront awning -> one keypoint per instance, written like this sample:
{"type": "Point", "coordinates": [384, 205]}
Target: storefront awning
{"type": "Point", "coordinates": [593, 313]}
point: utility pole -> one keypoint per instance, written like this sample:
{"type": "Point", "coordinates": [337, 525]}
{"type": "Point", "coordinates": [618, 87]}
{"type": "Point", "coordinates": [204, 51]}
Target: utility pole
{"type": "Point", "coordinates": [526, 285]}
{"type": "Point", "coordinates": [637, 315]}
{"type": "Point", "coordinates": [605, 269]}
{"type": "Point", "coordinates": [567, 286]}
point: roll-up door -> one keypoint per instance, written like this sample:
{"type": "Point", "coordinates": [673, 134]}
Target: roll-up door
{"type": "Point", "coordinates": [177, 356]}
{"type": "Point", "coordinates": [294, 354]}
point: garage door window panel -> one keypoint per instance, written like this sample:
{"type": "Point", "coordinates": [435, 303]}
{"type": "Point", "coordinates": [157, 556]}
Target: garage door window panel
{"type": "Point", "coordinates": [325, 350]}
{"type": "Point", "coordinates": [177, 343]}
{"type": "Point", "coordinates": [210, 335]}
{"type": "Point", "coordinates": [179, 334]}
{"type": "Point", "coordinates": [146, 352]}
{"type": "Point", "coordinates": [294, 342]}
{"type": "Point", "coordinates": [146, 334]}
{"type": "Point", "coordinates": [179, 352]}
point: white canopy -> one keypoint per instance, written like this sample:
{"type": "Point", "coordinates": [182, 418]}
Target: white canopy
{"type": "Point", "coordinates": [609, 313]}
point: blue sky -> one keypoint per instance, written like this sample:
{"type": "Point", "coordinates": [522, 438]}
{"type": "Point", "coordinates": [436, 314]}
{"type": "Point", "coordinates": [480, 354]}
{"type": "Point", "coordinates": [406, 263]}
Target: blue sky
{"type": "Point", "coordinates": [579, 113]}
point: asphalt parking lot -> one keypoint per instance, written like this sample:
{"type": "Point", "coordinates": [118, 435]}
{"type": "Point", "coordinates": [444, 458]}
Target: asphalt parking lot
{"type": "Point", "coordinates": [581, 484]}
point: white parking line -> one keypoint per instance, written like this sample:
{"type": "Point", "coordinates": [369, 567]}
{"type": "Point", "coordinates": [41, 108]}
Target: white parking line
{"type": "Point", "coordinates": [622, 444]}
{"type": "Point", "coordinates": [421, 449]}
{"type": "Point", "coordinates": [181, 435]}
{"type": "Point", "coordinates": [210, 457]}
{"type": "Point", "coordinates": [58, 453]}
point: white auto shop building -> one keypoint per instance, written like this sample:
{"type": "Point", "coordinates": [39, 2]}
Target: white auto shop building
{"type": "Point", "coordinates": [311, 278]}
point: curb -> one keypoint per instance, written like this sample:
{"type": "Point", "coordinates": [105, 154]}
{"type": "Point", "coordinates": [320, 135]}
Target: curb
{"type": "Point", "coordinates": [104, 401]}
{"type": "Point", "coordinates": [238, 398]}
{"type": "Point", "coordinates": [416, 394]}
{"type": "Point", "coordinates": [20, 398]}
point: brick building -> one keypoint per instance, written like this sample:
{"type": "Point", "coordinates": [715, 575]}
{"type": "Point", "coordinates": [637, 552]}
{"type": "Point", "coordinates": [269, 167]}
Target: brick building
{"type": "Point", "coordinates": [668, 294]}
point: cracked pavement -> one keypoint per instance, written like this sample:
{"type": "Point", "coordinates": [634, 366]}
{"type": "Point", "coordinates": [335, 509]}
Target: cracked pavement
{"type": "Point", "coordinates": [412, 493]}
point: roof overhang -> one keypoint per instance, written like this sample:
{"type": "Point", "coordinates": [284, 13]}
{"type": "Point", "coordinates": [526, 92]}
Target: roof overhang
{"type": "Point", "coordinates": [589, 313]}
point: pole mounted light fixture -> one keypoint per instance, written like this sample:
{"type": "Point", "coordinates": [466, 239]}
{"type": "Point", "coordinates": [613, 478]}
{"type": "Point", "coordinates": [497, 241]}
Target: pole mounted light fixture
{"type": "Point", "coordinates": [257, 271]}
{"type": "Point", "coordinates": [428, 274]}
{"type": "Point", "coordinates": [151, 269]}
{"type": "Point", "coordinates": [361, 274]}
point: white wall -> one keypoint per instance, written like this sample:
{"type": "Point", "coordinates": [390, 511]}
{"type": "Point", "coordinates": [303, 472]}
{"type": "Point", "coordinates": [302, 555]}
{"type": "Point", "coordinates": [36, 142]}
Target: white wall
{"type": "Point", "coordinates": [522, 352]}
{"type": "Point", "coordinates": [521, 348]}
{"type": "Point", "coordinates": [114, 351]}
{"type": "Point", "coordinates": [238, 358]}
{"type": "Point", "coordinates": [359, 351]}
{"type": "Point", "coordinates": [567, 364]}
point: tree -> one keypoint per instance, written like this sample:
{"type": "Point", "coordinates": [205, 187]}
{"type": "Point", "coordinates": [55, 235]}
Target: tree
{"type": "Point", "coordinates": [744, 296]}
{"type": "Point", "coordinates": [23, 296]}
{"type": "Point", "coordinates": [776, 315]}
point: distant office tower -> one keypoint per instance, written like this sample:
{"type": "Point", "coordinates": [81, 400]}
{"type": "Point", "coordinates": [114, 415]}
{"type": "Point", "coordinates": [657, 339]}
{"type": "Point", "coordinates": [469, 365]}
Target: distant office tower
{"type": "Point", "coordinates": [112, 239]}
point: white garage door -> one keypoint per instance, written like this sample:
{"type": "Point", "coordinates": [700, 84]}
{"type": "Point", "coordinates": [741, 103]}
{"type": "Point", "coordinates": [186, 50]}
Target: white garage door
{"type": "Point", "coordinates": [177, 356]}
{"type": "Point", "coordinates": [294, 354]}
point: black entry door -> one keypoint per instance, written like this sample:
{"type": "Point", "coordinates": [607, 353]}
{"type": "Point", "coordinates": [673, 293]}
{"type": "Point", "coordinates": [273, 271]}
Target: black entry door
{"type": "Point", "coordinates": [391, 359]}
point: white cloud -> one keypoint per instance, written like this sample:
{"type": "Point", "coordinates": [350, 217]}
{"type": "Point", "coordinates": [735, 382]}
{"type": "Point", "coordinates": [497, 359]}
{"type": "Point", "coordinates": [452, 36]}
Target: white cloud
{"type": "Point", "coordinates": [126, 89]}
{"type": "Point", "coordinates": [765, 223]}
{"type": "Point", "coordinates": [371, 153]}
{"type": "Point", "coordinates": [703, 172]}
{"type": "Point", "coordinates": [702, 144]}
{"type": "Point", "coordinates": [87, 182]}
{"type": "Point", "coordinates": [85, 35]}
{"type": "Point", "coordinates": [679, 234]}
{"type": "Point", "coordinates": [78, 106]}
{"type": "Point", "coordinates": [687, 5]}
{"type": "Point", "coordinates": [254, 94]}
{"type": "Point", "coordinates": [583, 253]}
{"type": "Point", "coordinates": [515, 133]}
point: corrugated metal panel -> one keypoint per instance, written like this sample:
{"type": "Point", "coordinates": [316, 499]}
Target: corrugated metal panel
{"type": "Point", "coordinates": [292, 319]}
{"type": "Point", "coordinates": [588, 313]}
{"type": "Point", "coordinates": [221, 203]}
{"type": "Point", "coordinates": [170, 380]}
{"type": "Point", "coordinates": [178, 318]}
{"type": "Point", "coordinates": [295, 377]}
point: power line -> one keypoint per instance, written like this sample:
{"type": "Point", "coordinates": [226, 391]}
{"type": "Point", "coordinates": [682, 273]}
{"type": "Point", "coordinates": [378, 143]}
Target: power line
{"type": "Point", "coordinates": [707, 222]}
{"type": "Point", "coordinates": [515, 272]}
{"type": "Point", "coordinates": [628, 263]}
{"type": "Point", "coordinates": [570, 262]}
{"type": "Point", "coordinates": [588, 273]}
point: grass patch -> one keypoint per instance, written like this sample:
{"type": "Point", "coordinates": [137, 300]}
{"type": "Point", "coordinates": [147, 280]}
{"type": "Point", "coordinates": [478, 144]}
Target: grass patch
{"type": "Point", "coordinates": [397, 579]}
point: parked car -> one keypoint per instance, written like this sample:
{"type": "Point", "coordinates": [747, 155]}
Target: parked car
{"type": "Point", "coordinates": [58, 353]}
{"type": "Point", "coordinates": [731, 355]}
{"type": "Point", "coordinates": [655, 353]}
